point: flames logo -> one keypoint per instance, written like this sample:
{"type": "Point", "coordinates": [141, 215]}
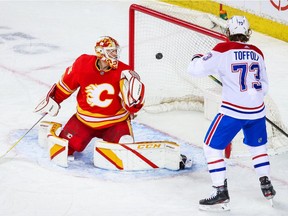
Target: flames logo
{"type": "Point", "coordinates": [93, 93]}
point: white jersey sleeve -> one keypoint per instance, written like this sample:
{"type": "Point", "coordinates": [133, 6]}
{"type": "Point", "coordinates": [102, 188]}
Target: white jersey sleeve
{"type": "Point", "coordinates": [241, 69]}
{"type": "Point", "coordinates": [202, 67]}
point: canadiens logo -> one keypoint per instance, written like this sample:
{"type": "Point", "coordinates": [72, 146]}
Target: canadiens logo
{"type": "Point", "coordinates": [280, 5]}
{"type": "Point", "coordinates": [94, 93]}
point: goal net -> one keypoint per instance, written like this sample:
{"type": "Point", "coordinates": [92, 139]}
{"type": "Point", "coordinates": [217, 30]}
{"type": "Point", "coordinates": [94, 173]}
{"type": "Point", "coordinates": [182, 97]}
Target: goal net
{"type": "Point", "coordinates": [163, 38]}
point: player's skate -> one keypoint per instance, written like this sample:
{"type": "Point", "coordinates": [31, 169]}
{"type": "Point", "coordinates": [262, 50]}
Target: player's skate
{"type": "Point", "coordinates": [267, 188]}
{"type": "Point", "coordinates": [218, 201]}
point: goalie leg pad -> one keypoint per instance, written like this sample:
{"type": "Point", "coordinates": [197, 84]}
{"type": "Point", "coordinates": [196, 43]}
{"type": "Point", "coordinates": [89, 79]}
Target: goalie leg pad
{"type": "Point", "coordinates": [58, 150]}
{"type": "Point", "coordinates": [46, 128]}
{"type": "Point", "coordinates": [137, 156]}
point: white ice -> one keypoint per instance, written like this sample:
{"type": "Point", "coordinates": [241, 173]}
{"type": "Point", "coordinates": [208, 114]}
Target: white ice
{"type": "Point", "coordinates": [38, 39]}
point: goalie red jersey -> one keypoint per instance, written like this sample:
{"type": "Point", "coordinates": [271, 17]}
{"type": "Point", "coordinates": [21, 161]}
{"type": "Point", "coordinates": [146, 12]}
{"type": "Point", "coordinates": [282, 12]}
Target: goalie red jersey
{"type": "Point", "coordinates": [99, 104]}
{"type": "Point", "coordinates": [108, 91]}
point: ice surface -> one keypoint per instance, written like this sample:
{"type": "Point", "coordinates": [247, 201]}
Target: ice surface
{"type": "Point", "coordinates": [38, 40]}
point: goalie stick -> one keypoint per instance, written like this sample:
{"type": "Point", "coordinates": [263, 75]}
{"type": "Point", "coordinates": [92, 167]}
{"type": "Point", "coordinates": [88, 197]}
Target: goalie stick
{"type": "Point", "coordinates": [3, 155]}
{"type": "Point", "coordinates": [267, 119]}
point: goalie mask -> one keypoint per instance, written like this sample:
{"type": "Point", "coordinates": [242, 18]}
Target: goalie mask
{"type": "Point", "coordinates": [238, 25]}
{"type": "Point", "coordinates": [108, 49]}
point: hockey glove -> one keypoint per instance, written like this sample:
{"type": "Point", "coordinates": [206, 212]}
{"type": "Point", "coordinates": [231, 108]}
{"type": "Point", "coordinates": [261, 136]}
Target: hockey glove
{"type": "Point", "coordinates": [48, 105]}
{"type": "Point", "coordinates": [132, 91]}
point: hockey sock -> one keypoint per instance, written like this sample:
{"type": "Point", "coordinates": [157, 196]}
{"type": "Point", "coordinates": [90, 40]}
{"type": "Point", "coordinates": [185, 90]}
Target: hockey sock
{"type": "Point", "coordinates": [260, 160]}
{"type": "Point", "coordinates": [216, 165]}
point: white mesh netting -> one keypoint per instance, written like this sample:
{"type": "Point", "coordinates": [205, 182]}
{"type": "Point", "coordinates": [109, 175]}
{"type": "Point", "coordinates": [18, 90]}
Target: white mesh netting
{"type": "Point", "coordinates": [168, 87]}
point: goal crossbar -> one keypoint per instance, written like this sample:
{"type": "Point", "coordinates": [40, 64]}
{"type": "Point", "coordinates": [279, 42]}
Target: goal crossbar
{"type": "Point", "coordinates": [135, 7]}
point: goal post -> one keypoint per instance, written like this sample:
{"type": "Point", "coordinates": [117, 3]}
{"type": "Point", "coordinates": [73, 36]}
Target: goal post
{"type": "Point", "coordinates": [162, 40]}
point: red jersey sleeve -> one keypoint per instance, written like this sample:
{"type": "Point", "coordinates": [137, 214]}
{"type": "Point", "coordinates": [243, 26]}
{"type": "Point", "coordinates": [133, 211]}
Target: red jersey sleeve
{"type": "Point", "coordinates": [68, 82]}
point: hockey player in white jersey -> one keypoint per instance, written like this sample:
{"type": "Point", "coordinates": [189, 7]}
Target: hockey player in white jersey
{"type": "Point", "coordinates": [241, 69]}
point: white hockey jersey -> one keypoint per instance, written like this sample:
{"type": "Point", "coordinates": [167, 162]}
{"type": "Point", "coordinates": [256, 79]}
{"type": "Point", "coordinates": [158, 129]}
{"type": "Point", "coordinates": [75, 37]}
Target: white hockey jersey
{"type": "Point", "coordinates": [241, 69]}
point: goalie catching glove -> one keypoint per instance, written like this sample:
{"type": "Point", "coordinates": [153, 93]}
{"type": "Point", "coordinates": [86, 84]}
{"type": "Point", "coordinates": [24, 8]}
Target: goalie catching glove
{"type": "Point", "coordinates": [132, 91]}
{"type": "Point", "coordinates": [48, 105]}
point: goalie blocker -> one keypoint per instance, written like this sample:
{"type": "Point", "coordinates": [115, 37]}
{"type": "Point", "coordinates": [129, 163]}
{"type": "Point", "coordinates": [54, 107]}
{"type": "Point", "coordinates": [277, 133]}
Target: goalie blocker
{"type": "Point", "coordinates": [115, 156]}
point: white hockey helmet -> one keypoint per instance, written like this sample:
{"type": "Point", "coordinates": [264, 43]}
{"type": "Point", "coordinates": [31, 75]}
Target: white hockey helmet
{"type": "Point", "coordinates": [238, 25]}
{"type": "Point", "coordinates": [108, 49]}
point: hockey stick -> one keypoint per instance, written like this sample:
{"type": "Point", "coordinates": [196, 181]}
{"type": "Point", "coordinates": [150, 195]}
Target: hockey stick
{"type": "Point", "coordinates": [277, 127]}
{"type": "Point", "coordinates": [22, 137]}
{"type": "Point", "coordinates": [267, 119]}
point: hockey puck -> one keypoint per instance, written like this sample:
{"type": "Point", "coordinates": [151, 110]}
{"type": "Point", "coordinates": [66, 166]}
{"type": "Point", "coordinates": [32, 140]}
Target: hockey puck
{"type": "Point", "coordinates": [159, 56]}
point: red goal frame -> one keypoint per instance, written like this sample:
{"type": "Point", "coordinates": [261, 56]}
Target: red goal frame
{"type": "Point", "coordinates": [135, 7]}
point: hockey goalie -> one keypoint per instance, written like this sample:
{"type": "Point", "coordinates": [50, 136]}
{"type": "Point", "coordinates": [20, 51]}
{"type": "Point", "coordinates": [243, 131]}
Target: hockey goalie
{"type": "Point", "coordinates": [109, 92]}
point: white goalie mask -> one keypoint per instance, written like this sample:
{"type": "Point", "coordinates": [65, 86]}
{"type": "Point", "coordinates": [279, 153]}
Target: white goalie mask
{"type": "Point", "coordinates": [108, 49]}
{"type": "Point", "coordinates": [238, 25]}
